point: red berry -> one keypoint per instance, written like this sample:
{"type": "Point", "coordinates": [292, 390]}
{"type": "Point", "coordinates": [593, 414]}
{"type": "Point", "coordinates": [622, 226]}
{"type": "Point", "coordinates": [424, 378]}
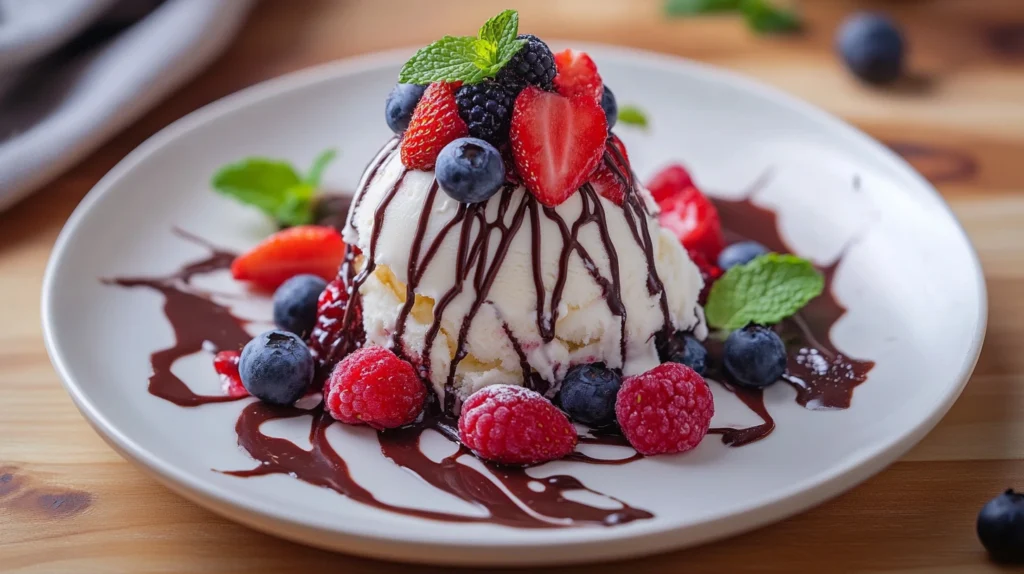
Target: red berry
{"type": "Point", "coordinates": [669, 182]}
{"type": "Point", "coordinates": [709, 272]}
{"type": "Point", "coordinates": [665, 410]}
{"type": "Point", "coordinates": [373, 386]}
{"type": "Point", "coordinates": [435, 123]}
{"type": "Point", "coordinates": [313, 249]}
{"type": "Point", "coordinates": [514, 425]}
{"type": "Point", "coordinates": [577, 75]}
{"type": "Point", "coordinates": [557, 142]}
{"type": "Point", "coordinates": [328, 332]}
{"type": "Point", "coordinates": [606, 181]}
{"type": "Point", "coordinates": [694, 220]}
{"type": "Point", "coordinates": [226, 365]}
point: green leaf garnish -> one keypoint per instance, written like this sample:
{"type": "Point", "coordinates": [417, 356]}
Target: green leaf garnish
{"type": "Point", "coordinates": [764, 17]}
{"type": "Point", "coordinates": [274, 186]}
{"type": "Point", "coordinates": [633, 116]}
{"type": "Point", "coordinates": [763, 291]}
{"type": "Point", "coordinates": [694, 7]}
{"type": "Point", "coordinates": [466, 59]}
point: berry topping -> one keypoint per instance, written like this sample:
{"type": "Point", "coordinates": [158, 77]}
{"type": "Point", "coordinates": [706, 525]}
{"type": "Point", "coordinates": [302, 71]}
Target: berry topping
{"type": "Point", "coordinates": [588, 394]}
{"type": "Point", "coordinates": [435, 123]}
{"type": "Point", "coordinates": [709, 273]}
{"type": "Point", "coordinates": [872, 47]}
{"type": "Point", "coordinates": [532, 65]}
{"type": "Point", "coordinates": [694, 220]}
{"type": "Point", "coordinates": [557, 142]}
{"type": "Point", "coordinates": [739, 254]}
{"type": "Point", "coordinates": [401, 102]}
{"type": "Point", "coordinates": [373, 386]}
{"type": "Point", "coordinates": [470, 170]}
{"type": "Point", "coordinates": [487, 110]}
{"type": "Point", "coordinates": [312, 249]}
{"type": "Point", "coordinates": [295, 303]}
{"type": "Point", "coordinates": [1001, 527]}
{"type": "Point", "coordinates": [610, 107]}
{"type": "Point", "coordinates": [276, 367]}
{"type": "Point", "coordinates": [755, 356]}
{"type": "Point", "coordinates": [226, 365]}
{"type": "Point", "coordinates": [329, 331]}
{"type": "Point", "coordinates": [684, 349]}
{"type": "Point", "coordinates": [665, 410]}
{"type": "Point", "coordinates": [514, 425]}
{"type": "Point", "coordinates": [669, 182]}
{"type": "Point", "coordinates": [610, 183]}
{"type": "Point", "coordinates": [577, 75]}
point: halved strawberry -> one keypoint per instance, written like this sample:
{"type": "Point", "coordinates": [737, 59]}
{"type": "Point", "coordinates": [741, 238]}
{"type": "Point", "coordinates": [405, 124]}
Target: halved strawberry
{"type": "Point", "coordinates": [694, 220]}
{"type": "Point", "coordinates": [226, 365]}
{"type": "Point", "coordinates": [314, 249]}
{"type": "Point", "coordinates": [435, 123]}
{"type": "Point", "coordinates": [577, 74]}
{"type": "Point", "coordinates": [608, 183]}
{"type": "Point", "coordinates": [668, 182]}
{"type": "Point", "coordinates": [556, 142]}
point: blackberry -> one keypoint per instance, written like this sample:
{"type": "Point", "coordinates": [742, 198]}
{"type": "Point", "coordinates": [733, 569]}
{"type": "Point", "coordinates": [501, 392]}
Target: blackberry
{"type": "Point", "coordinates": [533, 64]}
{"type": "Point", "coordinates": [487, 110]}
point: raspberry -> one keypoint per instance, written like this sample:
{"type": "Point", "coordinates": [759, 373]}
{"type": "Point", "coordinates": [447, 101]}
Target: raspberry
{"type": "Point", "coordinates": [487, 110]}
{"type": "Point", "coordinates": [373, 386]}
{"type": "Point", "coordinates": [533, 64]}
{"type": "Point", "coordinates": [514, 425]}
{"type": "Point", "coordinates": [226, 365]}
{"type": "Point", "coordinates": [665, 410]}
{"type": "Point", "coordinates": [328, 333]}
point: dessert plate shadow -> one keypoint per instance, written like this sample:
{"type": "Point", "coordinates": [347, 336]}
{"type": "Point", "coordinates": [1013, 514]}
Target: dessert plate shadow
{"type": "Point", "coordinates": [909, 278]}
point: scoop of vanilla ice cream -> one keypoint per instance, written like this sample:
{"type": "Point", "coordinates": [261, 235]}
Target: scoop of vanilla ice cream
{"type": "Point", "coordinates": [503, 337]}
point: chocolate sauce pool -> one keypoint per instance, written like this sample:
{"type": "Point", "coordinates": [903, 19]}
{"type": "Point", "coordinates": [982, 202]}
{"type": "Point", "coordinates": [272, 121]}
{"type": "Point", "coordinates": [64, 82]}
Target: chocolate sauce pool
{"type": "Point", "coordinates": [823, 377]}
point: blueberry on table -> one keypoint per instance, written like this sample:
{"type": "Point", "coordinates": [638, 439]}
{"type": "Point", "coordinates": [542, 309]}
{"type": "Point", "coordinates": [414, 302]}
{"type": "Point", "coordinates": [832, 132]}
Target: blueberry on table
{"type": "Point", "coordinates": [276, 367]}
{"type": "Point", "coordinates": [610, 106]}
{"type": "Point", "coordinates": [755, 356]}
{"type": "Point", "coordinates": [400, 104]}
{"type": "Point", "coordinates": [588, 394]}
{"type": "Point", "coordinates": [470, 170]}
{"type": "Point", "coordinates": [740, 253]}
{"type": "Point", "coordinates": [295, 303]}
{"type": "Point", "coordinates": [872, 47]}
{"type": "Point", "coordinates": [1001, 527]}
{"type": "Point", "coordinates": [685, 349]}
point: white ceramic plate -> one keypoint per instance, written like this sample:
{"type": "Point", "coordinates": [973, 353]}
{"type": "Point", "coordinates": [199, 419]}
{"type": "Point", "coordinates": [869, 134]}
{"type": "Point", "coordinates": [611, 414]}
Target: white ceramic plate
{"type": "Point", "coordinates": [911, 281]}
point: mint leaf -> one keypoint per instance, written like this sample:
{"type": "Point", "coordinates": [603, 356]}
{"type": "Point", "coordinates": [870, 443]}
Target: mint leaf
{"type": "Point", "coordinates": [502, 32]}
{"type": "Point", "coordinates": [465, 58]}
{"type": "Point", "coordinates": [633, 115]}
{"type": "Point", "coordinates": [316, 171]}
{"type": "Point", "coordinates": [764, 291]}
{"type": "Point", "coordinates": [695, 7]}
{"type": "Point", "coordinates": [764, 17]}
{"type": "Point", "coordinates": [297, 208]}
{"type": "Point", "coordinates": [274, 186]}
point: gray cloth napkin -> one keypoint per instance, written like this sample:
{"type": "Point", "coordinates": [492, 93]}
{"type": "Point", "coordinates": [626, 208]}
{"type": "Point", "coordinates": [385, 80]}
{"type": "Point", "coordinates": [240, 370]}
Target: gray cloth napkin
{"type": "Point", "coordinates": [75, 72]}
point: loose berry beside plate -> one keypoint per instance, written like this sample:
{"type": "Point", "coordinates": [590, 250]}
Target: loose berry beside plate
{"type": "Point", "coordinates": [666, 410]}
{"type": "Point", "coordinates": [514, 425]}
{"type": "Point", "coordinates": [1001, 527]}
{"type": "Point", "coordinates": [373, 386]}
{"type": "Point", "coordinates": [435, 123]}
{"type": "Point", "coordinates": [312, 249]}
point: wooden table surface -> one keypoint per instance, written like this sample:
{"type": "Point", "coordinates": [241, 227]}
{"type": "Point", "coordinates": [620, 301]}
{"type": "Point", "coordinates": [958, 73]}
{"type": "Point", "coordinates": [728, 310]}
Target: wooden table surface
{"type": "Point", "coordinates": [68, 503]}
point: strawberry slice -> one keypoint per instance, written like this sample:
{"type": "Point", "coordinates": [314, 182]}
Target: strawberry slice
{"type": "Point", "coordinates": [314, 249]}
{"type": "Point", "coordinates": [557, 142]}
{"type": "Point", "coordinates": [694, 220]}
{"type": "Point", "coordinates": [669, 182]}
{"type": "Point", "coordinates": [435, 123]}
{"type": "Point", "coordinates": [606, 181]}
{"type": "Point", "coordinates": [577, 74]}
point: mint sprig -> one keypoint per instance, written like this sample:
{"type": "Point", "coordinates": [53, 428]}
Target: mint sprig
{"type": "Point", "coordinates": [633, 115]}
{"type": "Point", "coordinates": [763, 291]}
{"type": "Point", "coordinates": [274, 186]}
{"type": "Point", "coordinates": [694, 7]}
{"type": "Point", "coordinates": [466, 59]}
{"type": "Point", "coordinates": [762, 16]}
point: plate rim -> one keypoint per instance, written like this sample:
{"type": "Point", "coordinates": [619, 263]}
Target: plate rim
{"type": "Point", "coordinates": [422, 544]}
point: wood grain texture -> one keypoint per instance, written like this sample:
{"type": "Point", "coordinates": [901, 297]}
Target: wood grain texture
{"type": "Point", "coordinates": [68, 503]}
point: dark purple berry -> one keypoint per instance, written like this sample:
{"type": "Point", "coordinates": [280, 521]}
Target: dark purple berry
{"type": "Point", "coordinates": [1001, 527]}
{"type": "Point", "coordinates": [685, 349]}
{"type": "Point", "coordinates": [872, 47]}
{"type": "Point", "coordinates": [400, 104]}
{"type": "Point", "coordinates": [533, 64]}
{"type": "Point", "coordinates": [487, 110]}
{"type": "Point", "coordinates": [588, 394]}
{"type": "Point", "coordinates": [755, 356]}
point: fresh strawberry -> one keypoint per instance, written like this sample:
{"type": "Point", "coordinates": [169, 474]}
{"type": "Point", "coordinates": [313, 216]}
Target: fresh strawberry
{"type": "Point", "coordinates": [312, 249]}
{"type": "Point", "coordinates": [435, 123]}
{"type": "Point", "coordinates": [668, 182]}
{"type": "Point", "coordinates": [608, 183]}
{"type": "Point", "coordinates": [557, 142]}
{"type": "Point", "coordinates": [577, 74]}
{"type": "Point", "coordinates": [694, 220]}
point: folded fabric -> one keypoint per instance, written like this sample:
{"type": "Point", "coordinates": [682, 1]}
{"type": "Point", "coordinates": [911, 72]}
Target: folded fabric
{"type": "Point", "coordinates": [75, 72]}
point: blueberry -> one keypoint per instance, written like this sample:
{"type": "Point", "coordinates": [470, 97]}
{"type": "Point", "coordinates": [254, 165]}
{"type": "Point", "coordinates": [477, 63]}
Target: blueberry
{"type": "Point", "coordinates": [470, 170]}
{"type": "Point", "coordinates": [588, 394]}
{"type": "Point", "coordinates": [610, 106]}
{"type": "Point", "coordinates": [295, 303]}
{"type": "Point", "coordinates": [1001, 527]}
{"type": "Point", "coordinates": [683, 348]}
{"type": "Point", "coordinates": [872, 47]}
{"type": "Point", "coordinates": [276, 367]}
{"type": "Point", "coordinates": [740, 253]}
{"type": "Point", "coordinates": [401, 102]}
{"type": "Point", "coordinates": [755, 356]}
